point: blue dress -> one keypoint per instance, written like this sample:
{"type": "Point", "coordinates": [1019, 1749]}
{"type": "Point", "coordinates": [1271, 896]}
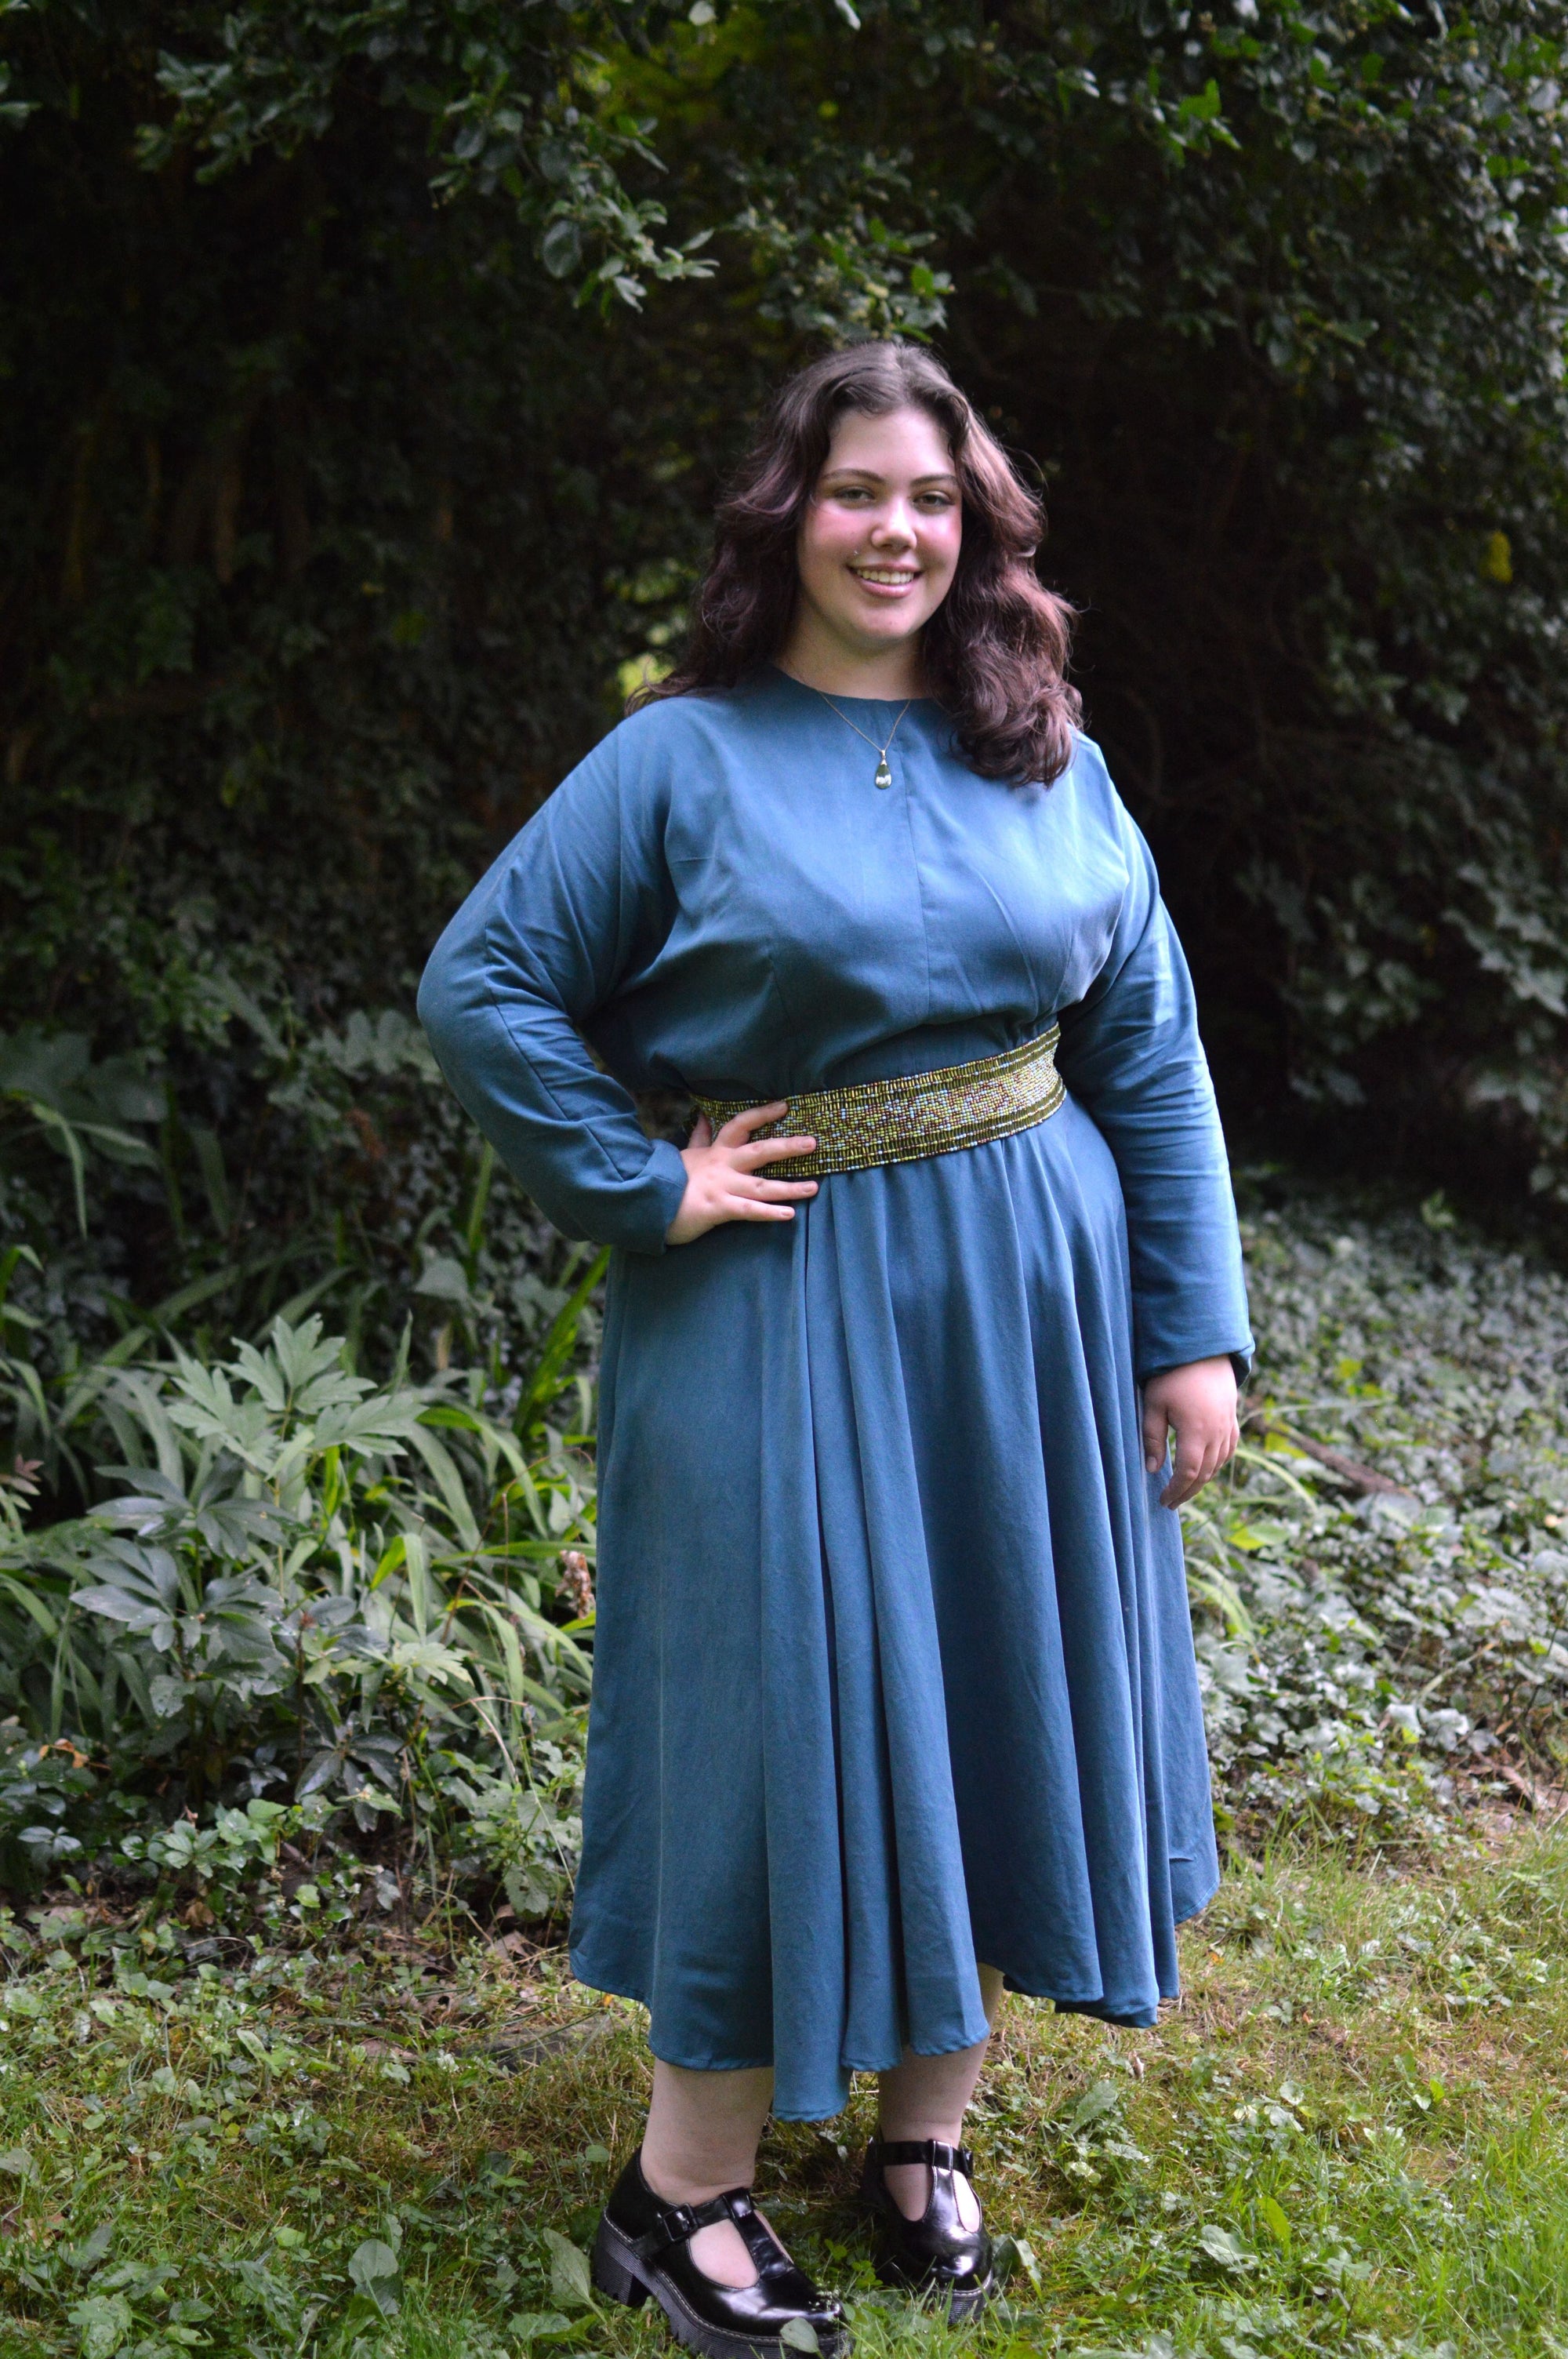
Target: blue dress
{"type": "Point", "coordinates": [893, 1668]}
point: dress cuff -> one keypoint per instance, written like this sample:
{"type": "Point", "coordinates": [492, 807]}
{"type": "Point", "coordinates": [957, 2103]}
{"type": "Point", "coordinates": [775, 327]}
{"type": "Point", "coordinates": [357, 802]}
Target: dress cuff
{"type": "Point", "coordinates": [659, 1198]}
{"type": "Point", "coordinates": [1161, 1359]}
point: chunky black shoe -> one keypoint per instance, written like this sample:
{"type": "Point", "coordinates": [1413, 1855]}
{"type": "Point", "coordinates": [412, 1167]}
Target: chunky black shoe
{"type": "Point", "coordinates": [643, 2248]}
{"type": "Point", "coordinates": [936, 2254]}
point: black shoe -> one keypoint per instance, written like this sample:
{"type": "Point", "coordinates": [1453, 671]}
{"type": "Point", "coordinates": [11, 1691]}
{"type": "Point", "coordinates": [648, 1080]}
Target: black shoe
{"type": "Point", "coordinates": [643, 2248]}
{"type": "Point", "coordinates": [936, 2252]}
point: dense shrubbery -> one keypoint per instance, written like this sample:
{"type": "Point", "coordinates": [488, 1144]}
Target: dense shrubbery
{"type": "Point", "coordinates": [299, 1604]}
{"type": "Point", "coordinates": [301, 1607]}
{"type": "Point", "coordinates": [1396, 1637]}
{"type": "Point", "coordinates": [366, 376]}
{"type": "Point", "coordinates": [332, 514]}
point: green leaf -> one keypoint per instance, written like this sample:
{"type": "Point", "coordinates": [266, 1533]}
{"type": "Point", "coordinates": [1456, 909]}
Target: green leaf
{"type": "Point", "coordinates": [571, 2282]}
{"type": "Point", "coordinates": [1273, 2216]}
{"type": "Point", "coordinates": [445, 1279]}
{"type": "Point", "coordinates": [1027, 2261]}
{"type": "Point", "coordinates": [560, 249]}
{"type": "Point", "coordinates": [87, 2255]}
{"type": "Point", "coordinates": [103, 2321]}
{"type": "Point", "coordinates": [546, 1379]}
{"type": "Point", "coordinates": [1103, 2098]}
{"type": "Point", "coordinates": [1221, 2246]}
{"type": "Point", "coordinates": [373, 2265]}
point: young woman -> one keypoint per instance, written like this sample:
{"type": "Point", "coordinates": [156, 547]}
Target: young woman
{"type": "Point", "coordinates": [894, 1696]}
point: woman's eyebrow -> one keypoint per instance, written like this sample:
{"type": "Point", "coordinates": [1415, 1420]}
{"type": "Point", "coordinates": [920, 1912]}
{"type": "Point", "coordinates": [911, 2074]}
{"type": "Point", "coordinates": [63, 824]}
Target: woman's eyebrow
{"type": "Point", "coordinates": [870, 475]}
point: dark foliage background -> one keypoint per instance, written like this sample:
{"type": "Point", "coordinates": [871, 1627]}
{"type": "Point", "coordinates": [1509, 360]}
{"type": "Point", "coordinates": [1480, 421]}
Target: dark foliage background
{"type": "Point", "coordinates": [367, 375]}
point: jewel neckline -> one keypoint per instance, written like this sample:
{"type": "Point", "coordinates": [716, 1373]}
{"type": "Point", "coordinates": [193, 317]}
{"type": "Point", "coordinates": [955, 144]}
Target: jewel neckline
{"type": "Point", "coordinates": [839, 697]}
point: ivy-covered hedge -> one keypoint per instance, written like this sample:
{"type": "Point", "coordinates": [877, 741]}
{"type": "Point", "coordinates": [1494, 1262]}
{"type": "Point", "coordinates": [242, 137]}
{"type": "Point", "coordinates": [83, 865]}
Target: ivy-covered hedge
{"type": "Point", "coordinates": [367, 373]}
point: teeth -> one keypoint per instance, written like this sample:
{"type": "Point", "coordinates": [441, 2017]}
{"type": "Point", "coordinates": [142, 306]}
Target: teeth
{"type": "Point", "coordinates": [866, 573]}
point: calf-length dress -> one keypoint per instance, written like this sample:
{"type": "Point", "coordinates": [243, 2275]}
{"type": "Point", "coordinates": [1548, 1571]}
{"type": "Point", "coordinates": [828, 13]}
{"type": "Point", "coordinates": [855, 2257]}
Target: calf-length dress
{"type": "Point", "coordinates": [893, 1668]}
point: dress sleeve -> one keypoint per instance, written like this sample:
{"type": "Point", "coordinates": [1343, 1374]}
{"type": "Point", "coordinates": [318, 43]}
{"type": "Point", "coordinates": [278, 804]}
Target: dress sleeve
{"type": "Point", "coordinates": [1131, 1056]}
{"type": "Point", "coordinates": [575, 905]}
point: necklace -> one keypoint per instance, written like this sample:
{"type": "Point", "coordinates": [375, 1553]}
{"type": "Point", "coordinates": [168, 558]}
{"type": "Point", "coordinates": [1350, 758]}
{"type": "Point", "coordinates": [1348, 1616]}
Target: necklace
{"type": "Point", "coordinates": [884, 775]}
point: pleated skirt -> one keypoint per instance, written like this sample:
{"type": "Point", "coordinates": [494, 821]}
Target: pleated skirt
{"type": "Point", "coordinates": [893, 1668]}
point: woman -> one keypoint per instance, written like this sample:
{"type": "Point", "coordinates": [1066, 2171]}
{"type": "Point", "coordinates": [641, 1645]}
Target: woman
{"type": "Point", "coordinates": [895, 1697]}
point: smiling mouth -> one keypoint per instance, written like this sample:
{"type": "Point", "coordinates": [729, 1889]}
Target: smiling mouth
{"type": "Point", "coordinates": [886, 577]}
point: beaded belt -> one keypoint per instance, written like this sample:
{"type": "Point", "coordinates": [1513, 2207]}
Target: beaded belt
{"type": "Point", "coordinates": [917, 1115]}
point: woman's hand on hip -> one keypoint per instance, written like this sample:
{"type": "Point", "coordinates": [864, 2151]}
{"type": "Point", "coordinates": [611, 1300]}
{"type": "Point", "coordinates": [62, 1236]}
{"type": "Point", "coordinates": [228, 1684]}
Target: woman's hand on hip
{"type": "Point", "coordinates": [722, 1177]}
{"type": "Point", "coordinates": [1198, 1403]}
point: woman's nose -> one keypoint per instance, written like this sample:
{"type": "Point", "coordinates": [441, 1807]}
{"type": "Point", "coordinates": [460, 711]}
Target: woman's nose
{"type": "Point", "coordinates": [895, 526]}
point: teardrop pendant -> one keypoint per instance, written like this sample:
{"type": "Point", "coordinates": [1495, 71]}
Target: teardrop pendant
{"type": "Point", "coordinates": [884, 775]}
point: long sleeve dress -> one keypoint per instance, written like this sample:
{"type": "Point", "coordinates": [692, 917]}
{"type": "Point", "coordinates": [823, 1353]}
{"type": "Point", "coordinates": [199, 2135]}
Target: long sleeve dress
{"type": "Point", "coordinates": [893, 1668]}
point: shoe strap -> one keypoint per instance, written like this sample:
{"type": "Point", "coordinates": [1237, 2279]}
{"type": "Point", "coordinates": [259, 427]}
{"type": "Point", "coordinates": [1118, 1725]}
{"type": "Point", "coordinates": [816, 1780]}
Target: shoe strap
{"type": "Point", "coordinates": [675, 2222]}
{"type": "Point", "coordinates": [935, 2153]}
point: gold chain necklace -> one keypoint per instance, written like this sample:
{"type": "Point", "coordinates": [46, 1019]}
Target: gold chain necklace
{"type": "Point", "coordinates": [884, 775]}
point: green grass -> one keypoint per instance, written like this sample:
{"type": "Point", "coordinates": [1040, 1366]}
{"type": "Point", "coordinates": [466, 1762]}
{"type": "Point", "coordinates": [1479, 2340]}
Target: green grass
{"type": "Point", "coordinates": [1350, 2134]}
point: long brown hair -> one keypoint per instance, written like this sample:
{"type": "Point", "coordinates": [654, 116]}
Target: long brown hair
{"type": "Point", "coordinates": [995, 652]}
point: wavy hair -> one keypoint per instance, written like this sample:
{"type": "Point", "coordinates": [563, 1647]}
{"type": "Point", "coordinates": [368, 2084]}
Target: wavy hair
{"type": "Point", "coordinates": [994, 653]}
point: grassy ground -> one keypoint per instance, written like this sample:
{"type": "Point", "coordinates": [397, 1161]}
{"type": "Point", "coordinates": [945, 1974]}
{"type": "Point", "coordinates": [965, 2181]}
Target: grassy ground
{"type": "Point", "coordinates": [1351, 2134]}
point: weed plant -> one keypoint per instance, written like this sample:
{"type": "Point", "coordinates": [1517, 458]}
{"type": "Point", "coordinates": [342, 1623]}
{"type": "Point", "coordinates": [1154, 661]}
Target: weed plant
{"type": "Point", "coordinates": [1382, 1582]}
{"type": "Point", "coordinates": [1349, 2137]}
{"type": "Point", "coordinates": [306, 1608]}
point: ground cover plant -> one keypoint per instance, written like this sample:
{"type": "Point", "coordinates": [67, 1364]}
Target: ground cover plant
{"type": "Point", "coordinates": [368, 374]}
{"type": "Point", "coordinates": [1386, 1630]}
{"type": "Point", "coordinates": [300, 1605]}
{"type": "Point", "coordinates": [365, 1609]}
{"type": "Point", "coordinates": [274, 2079]}
{"type": "Point", "coordinates": [1351, 2136]}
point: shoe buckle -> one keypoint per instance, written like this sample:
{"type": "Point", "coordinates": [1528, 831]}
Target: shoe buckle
{"type": "Point", "coordinates": [679, 2222]}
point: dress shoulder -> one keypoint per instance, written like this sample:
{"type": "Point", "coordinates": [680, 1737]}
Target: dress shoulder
{"type": "Point", "coordinates": [1089, 774]}
{"type": "Point", "coordinates": [675, 726]}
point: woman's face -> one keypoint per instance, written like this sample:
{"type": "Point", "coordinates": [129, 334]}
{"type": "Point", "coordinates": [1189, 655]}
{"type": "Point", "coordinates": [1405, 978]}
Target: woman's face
{"type": "Point", "coordinates": [879, 543]}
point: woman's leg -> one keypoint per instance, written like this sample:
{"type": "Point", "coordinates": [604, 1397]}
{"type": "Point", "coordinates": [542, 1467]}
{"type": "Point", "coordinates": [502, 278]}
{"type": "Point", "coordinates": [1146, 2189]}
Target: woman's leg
{"type": "Point", "coordinates": [926, 2097]}
{"type": "Point", "coordinates": [701, 2138]}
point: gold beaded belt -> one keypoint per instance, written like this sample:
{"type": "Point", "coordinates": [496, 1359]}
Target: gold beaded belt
{"type": "Point", "coordinates": [917, 1115]}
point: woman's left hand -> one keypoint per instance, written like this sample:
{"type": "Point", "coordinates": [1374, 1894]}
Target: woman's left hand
{"type": "Point", "coordinates": [1198, 1402]}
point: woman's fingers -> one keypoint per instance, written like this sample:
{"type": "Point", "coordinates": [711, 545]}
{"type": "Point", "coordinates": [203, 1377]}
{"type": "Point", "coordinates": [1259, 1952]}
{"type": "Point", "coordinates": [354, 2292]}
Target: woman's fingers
{"type": "Point", "coordinates": [768, 1191]}
{"type": "Point", "coordinates": [740, 1127]}
{"type": "Point", "coordinates": [1198, 1460]}
{"type": "Point", "coordinates": [1198, 1403]}
{"type": "Point", "coordinates": [723, 1174]}
{"type": "Point", "coordinates": [768, 1150]}
{"type": "Point", "coordinates": [1187, 1472]}
{"type": "Point", "coordinates": [762, 1200]}
{"type": "Point", "coordinates": [747, 1152]}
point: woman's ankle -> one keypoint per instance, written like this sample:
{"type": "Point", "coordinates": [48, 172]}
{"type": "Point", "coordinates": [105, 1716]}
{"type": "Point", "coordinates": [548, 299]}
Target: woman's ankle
{"type": "Point", "coordinates": [673, 2186]}
{"type": "Point", "coordinates": [909, 2184]}
{"type": "Point", "coordinates": [720, 2250]}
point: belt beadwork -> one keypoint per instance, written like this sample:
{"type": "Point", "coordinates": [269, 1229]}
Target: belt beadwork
{"type": "Point", "coordinates": [915, 1115]}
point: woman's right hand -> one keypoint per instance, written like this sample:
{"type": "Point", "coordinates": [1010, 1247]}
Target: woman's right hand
{"type": "Point", "coordinates": [721, 1181]}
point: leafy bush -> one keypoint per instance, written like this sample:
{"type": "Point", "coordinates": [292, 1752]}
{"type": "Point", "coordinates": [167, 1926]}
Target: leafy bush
{"type": "Point", "coordinates": [1388, 1632]}
{"type": "Point", "coordinates": [366, 1596]}
{"type": "Point", "coordinates": [333, 517]}
{"type": "Point", "coordinates": [307, 1606]}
